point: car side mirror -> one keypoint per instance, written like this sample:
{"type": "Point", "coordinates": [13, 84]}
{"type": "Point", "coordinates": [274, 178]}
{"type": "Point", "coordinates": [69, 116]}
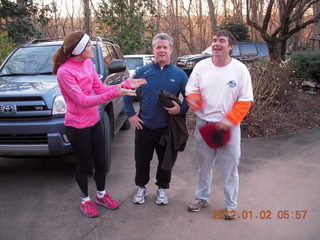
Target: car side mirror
{"type": "Point", "coordinates": [117, 65]}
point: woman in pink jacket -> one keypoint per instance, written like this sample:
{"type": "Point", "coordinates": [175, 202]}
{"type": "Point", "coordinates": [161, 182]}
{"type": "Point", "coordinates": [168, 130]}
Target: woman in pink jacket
{"type": "Point", "coordinates": [83, 92]}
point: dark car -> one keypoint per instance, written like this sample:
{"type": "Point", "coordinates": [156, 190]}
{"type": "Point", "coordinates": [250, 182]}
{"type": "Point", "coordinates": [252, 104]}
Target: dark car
{"type": "Point", "coordinates": [31, 105]}
{"type": "Point", "coordinates": [243, 51]}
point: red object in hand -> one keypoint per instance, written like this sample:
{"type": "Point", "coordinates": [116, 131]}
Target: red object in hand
{"type": "Point", "coordinates": [195, 101]}
{"type": "Point", "coordinates": [213, 137]}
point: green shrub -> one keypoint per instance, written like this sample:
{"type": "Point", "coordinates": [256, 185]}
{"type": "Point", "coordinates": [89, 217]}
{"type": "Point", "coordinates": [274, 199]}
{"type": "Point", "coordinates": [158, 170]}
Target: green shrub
{"type": "Point", "coordinates": [238, 29]}
{"type": "Point", "coordinates": [306, 64]}
{"type": "Point", "coordinates": [6, 46]}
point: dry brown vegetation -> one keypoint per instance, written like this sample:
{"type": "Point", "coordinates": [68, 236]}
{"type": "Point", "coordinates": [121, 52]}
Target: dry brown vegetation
{"type": "Point", "coordinates": [281, 106]}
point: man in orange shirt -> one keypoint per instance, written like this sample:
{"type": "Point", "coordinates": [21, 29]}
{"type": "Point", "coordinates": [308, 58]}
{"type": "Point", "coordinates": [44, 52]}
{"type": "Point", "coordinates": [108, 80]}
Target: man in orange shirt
{"type": "Point", "coordinates": [219, 91]}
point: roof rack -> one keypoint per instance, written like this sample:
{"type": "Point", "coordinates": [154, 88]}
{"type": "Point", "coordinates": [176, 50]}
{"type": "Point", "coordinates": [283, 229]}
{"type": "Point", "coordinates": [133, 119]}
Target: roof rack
{"type": "Point", "coordinates": [98, 39]}
{"type": "Point", "coordinates": [34, 41]}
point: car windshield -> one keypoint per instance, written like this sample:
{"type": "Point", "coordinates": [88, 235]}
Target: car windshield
{"type": "Point", "coordinates": [262, 49]}
{"type": "Point", "coordinates": [235, 51]}
{"type": "Point", "coordinates": [149, 59]}
{"type": "Point", "coordinates": [134, 63]}
{"type": "Point", "coordinates": [207, 51]}
{"type": "Point", "coordinates": [248, 49]}
{"type": "Point", "coordinates": [30, 60]}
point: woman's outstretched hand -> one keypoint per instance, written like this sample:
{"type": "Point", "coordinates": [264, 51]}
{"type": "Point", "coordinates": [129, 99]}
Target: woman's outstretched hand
{"type": "Point", "coordinates": [125, 92]}
{"type": "Point", "coordinates": [135, 83]}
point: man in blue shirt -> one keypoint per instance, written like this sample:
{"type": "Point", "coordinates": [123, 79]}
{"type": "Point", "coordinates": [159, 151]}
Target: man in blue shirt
{"type": "Point", "coordinates": [152, 119]}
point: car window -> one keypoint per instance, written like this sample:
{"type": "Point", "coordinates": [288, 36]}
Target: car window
{"type": "Point", "coordinates": [208, 50]}
{"type": "Point", "coordinates": [119, 51]}
{"type": "Point", "coordinates": [134, 63]}
{"type": "Point", "coordinates": [30, 60]}
{"type": "Point", "coordinates": [106, 57]}
{"type": "Point", "coordinates": [112, 52]}
{"type": "Point", "coordinates": [33, 60]}
{"type": "Point", "coordinates": [263, 50]}
{"type": "Point", "coordinates": [235, 51]}
{"type": "Point", "coordinates": [149, 60]}
{"type": "Point", "coordinates": [248, 49]}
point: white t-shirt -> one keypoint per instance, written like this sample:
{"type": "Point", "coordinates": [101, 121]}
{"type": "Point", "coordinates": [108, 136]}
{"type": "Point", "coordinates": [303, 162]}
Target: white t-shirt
{"type": "Point", "coordinates": [220, 87]}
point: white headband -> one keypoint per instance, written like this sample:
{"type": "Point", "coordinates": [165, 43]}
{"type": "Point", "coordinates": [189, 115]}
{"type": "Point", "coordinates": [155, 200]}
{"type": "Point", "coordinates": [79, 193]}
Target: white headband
{"type": "Point", "coordinates": [81, 45]}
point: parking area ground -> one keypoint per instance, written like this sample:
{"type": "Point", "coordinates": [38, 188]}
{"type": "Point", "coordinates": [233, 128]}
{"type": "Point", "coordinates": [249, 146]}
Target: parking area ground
{"type": "Point", "coordinates": [39, 198]}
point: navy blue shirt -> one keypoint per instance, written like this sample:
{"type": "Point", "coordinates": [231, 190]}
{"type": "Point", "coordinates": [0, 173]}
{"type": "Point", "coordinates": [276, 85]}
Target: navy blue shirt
{"type": "Point", "coordinates": [170, 78]}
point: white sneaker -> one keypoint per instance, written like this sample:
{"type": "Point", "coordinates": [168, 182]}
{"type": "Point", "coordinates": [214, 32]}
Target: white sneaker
{"type": "Point", "coordinates": [139, 197]}
{"type": "Point", "coordinates": [162, 198]}
{"type": "Point", "coordinates": [197, 205]}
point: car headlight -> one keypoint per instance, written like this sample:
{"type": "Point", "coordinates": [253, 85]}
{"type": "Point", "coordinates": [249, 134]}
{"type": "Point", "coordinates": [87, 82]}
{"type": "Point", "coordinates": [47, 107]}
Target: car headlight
{"type": "Point", "coordinates": [59, 105]}
{"type": "Point", "coordinates": [190, 64]}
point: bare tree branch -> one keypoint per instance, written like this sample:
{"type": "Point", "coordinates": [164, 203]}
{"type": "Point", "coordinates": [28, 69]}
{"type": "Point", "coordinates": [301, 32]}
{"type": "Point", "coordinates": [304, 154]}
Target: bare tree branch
{"type": "Point", "coordinates": [291, 15]}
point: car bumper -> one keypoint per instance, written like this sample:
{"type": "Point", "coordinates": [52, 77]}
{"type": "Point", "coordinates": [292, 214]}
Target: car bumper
{"type": "Point", "coordinates": [36, 138]}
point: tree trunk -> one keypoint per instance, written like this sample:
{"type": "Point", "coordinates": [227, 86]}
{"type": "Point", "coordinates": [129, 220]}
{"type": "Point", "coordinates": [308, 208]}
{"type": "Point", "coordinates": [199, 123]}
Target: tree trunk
{"type": "Point", "coordinates": [177, 39]}
{"type": "Point", "coordinates": [277, 49]}
{"type": "Point", "coordinates": [70, 15]}
{"type": "Point", "coordinates": [225, 12]}
{"type": "Point", "coordinates": [237, 10]}
{"type": "Point", "coordinates": [274, 51]}
{"type": "Point", "coordinates": [213, 19]}
{"type": "Point", "coordinates": [283, 49]}
{"type": "Point", "coordinates": [201, 30]}
{"type": "Point", "coordinates": [254, 32]}
{"type": "Point", "coordinates": [158, 15]}
{"type": "Point", "coordinates": [316, 11]}
{"type": "Point", "coordinates": [86, 17]}
{"type": "Point", "coordinates": [189, 40]}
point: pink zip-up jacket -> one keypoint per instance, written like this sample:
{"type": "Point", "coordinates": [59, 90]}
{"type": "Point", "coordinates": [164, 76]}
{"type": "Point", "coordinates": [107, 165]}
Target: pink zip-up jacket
{"type": "Point", "coordinates": [83, 92]}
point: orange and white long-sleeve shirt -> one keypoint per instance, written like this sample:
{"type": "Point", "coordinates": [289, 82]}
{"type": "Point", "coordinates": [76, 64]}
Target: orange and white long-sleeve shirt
{"type": "Point", "coordinates": [226, 91]}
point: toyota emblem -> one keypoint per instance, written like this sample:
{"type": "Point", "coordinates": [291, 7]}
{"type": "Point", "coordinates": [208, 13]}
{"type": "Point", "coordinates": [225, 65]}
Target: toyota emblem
{"type": "Point", "coordinates": [7, 109]}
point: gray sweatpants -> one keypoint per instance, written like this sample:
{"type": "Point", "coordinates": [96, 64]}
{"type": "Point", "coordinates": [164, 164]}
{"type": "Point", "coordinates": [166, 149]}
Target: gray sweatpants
{"type": "Point", "coordinates": [228, 157]}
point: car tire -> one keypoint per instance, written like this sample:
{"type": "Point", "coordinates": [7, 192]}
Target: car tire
{"type": "Point", "coordinates": [107, 137]}
{"type": "Point", "coordinates": [126, 125]}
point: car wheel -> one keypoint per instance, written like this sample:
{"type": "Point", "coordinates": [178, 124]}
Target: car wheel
{"type": "Point", "coordinates": [126, 125]}
{"type": "Point", "coordinates": [107, 137]}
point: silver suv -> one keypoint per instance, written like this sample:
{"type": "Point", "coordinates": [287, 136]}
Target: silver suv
{"type": "Point", "coordinates": [32, 108]}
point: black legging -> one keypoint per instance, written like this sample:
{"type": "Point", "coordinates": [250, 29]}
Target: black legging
{"type": "Point", "coordinates": [88, 144]}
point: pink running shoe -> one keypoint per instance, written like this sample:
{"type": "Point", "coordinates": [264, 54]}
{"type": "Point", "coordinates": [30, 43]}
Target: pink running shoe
{"type": "Point", "coordinates": [89, 209]}
{"type": "Point", "coordinates": [107, 202]}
